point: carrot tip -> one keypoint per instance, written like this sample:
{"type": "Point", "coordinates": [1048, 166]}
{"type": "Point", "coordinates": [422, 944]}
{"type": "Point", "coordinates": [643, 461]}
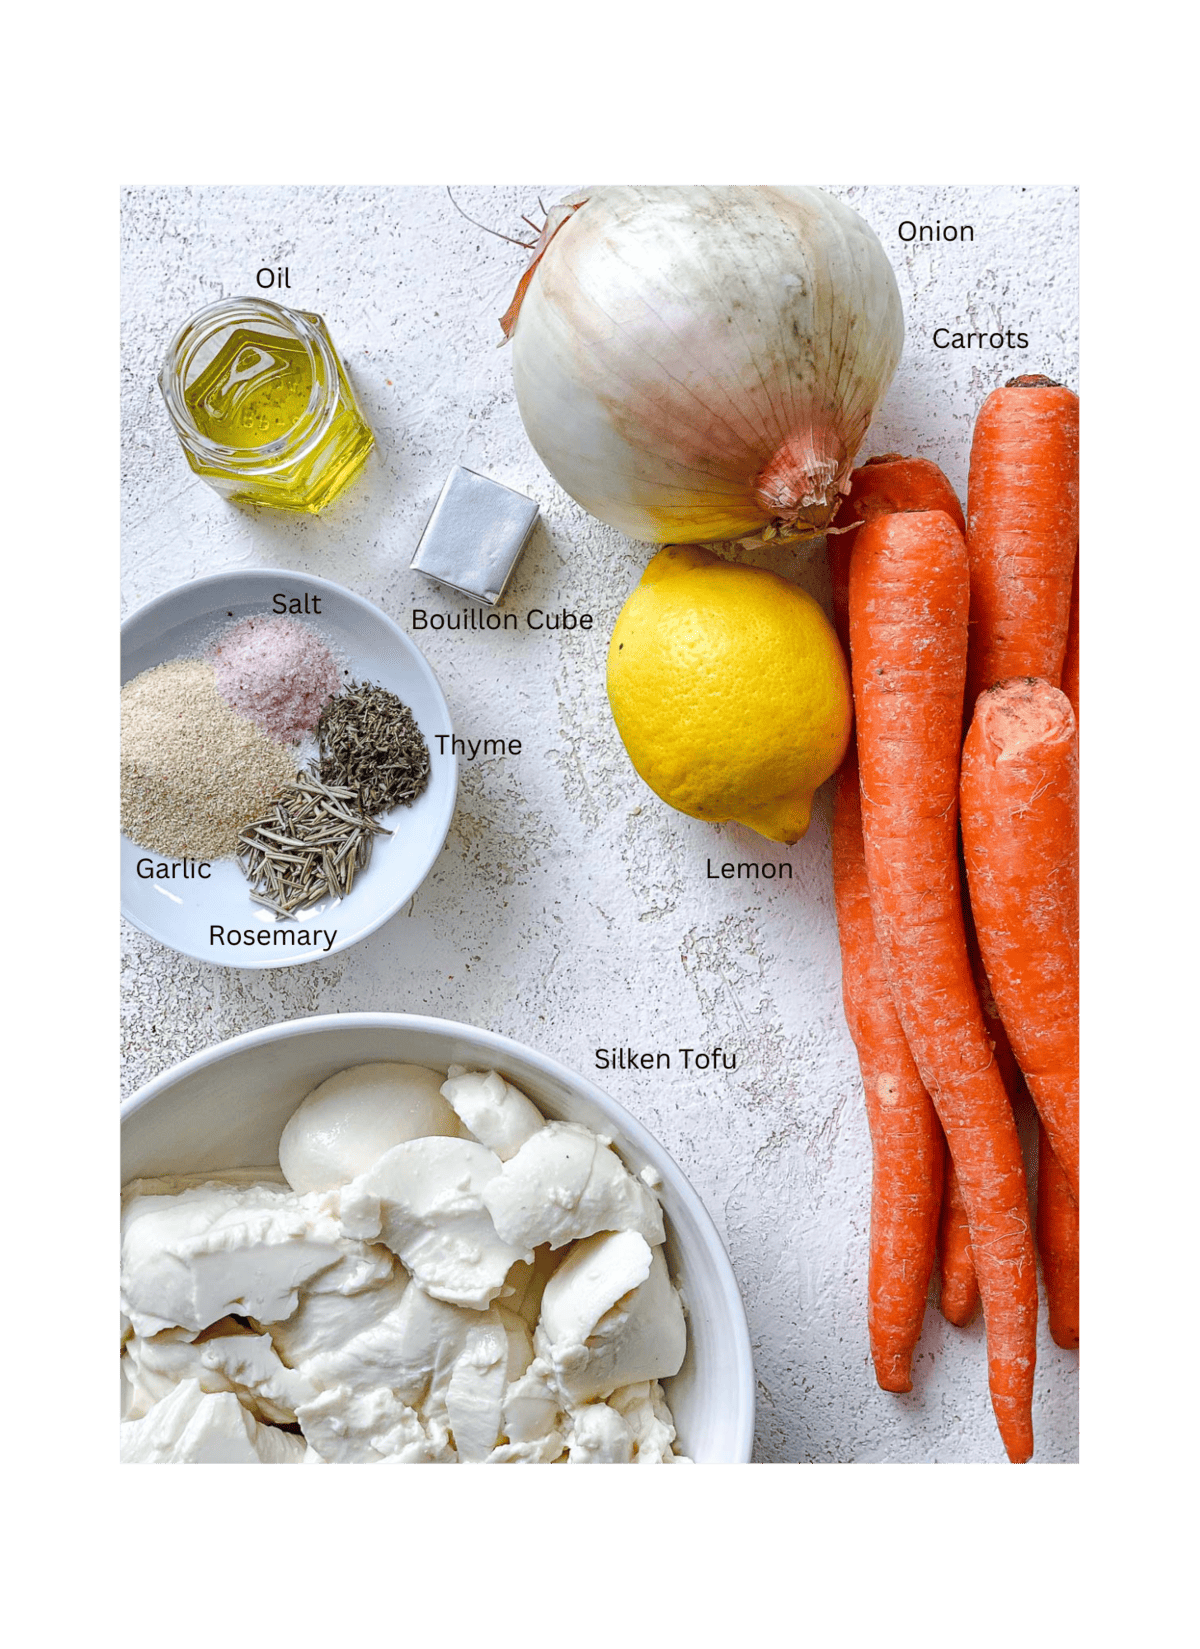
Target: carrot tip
{"type": "Point", "coordinates": [1016, 1433]}
{"type": "Point", "coordinates": [893, 1383]}
{"type": "Point", "coordinates": [959, 1312]}
{"type": "Point", "coordinates": [894, 1372]}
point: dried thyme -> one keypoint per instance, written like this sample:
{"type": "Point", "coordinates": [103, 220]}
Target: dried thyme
{"type": "Point", "coordinates": [310, 845]}
{"type": "Point", "coordinates": [369, 742]}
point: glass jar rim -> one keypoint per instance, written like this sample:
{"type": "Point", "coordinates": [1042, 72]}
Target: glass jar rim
{"type": "Point", "coordinates": [314, 423]}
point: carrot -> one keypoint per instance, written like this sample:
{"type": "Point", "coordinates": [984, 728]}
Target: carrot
{"type": "Point", "coordinates": [1058, 1244]}
{"type": "Point", "coordinates": [1070, 669]}
{"type": "Point", "coordinates": [960, 1286]}
{"type": "Point", "coordinates": [1020, 813]}
{"type": "Point", "coordinates": [1057, 1211]}
{"type": "Point", "coordinates": [1022, 531]}
{"type": "Point", "coordinates": [886, 485]}
{"type": "Point", "coordinates": [906, 1139]}
{"type": "Point", "coordinates": [909, 586]}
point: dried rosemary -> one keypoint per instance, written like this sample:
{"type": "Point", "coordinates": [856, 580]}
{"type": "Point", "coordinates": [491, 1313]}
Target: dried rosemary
{"type": "Point", "coordinates": [370, 741]}
{"type": "Point", "coordinates": [311, 844]}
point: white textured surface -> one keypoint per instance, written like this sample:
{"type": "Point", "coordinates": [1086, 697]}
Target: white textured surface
{"type": "Point", "coordinates": [570, 908]}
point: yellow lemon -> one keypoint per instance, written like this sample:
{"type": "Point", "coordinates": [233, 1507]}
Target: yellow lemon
{"type": "Point", "coordinates": [730, 691]}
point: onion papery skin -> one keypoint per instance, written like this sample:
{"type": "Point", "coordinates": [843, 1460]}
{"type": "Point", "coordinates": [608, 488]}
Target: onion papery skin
{"type": "Point", "coordinates": [697, 364]}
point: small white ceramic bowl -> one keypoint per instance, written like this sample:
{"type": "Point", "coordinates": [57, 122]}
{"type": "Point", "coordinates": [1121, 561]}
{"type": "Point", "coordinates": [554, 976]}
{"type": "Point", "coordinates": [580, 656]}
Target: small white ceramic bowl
{"type": "Point", "coordinates": [182, 912]}
{"type": "Point", "coordinates": [226, 1108]}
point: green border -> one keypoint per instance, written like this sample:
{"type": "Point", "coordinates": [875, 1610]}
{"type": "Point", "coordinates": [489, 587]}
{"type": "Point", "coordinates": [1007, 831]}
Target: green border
{"type": "Point", "coordinates": [724, 1550]}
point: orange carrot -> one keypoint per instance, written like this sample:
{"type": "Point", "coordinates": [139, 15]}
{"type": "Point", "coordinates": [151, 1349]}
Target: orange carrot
{"type": "Point", "coordinates": [1058, 1212]}
{"type": "Point", "coordinates": [960, 1286]}
{"type": "Point", "coordinates": [1020, 821]}
{"type": "Point", "coordinates": [886, 485]}
{"type": "Point", "coordinates": [1070, 670]}
{"type": "Point", "coordinates": [1022, 531]}
{"type": "Point", "coordinates": [906, 1139]}
{"type": "Point", "coordinates": [1058, 1244]}
{"type": "Point", "coordinates": [908, 635]}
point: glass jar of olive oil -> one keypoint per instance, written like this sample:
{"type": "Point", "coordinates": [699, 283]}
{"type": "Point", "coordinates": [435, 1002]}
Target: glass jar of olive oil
{"type": "Point", "coordinates": [263, 406]}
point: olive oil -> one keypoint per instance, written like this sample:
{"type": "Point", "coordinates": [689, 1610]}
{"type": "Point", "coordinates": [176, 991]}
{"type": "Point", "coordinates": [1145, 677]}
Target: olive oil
{"type": "Point", "coordinates": [254, 391]}
{"type": "Point", "coordinates": [263, 407]}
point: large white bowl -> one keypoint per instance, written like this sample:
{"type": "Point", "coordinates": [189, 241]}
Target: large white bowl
{"type": "Point", "coordinates": [226, 1107]}
{"type": "Point", "coordinates": [181, 913]}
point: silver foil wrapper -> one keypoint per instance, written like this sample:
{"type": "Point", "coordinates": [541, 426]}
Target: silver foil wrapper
{"type": "Point", "coordinates": [475, 536]}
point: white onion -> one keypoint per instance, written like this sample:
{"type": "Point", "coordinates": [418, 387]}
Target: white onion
{"type": "Point", "coordinates": [695, 364]}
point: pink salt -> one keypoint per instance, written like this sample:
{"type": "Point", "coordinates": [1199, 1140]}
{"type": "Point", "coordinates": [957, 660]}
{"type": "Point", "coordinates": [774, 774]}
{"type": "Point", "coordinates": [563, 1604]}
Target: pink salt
{"type": "Point", "coordinates": [276, 672]}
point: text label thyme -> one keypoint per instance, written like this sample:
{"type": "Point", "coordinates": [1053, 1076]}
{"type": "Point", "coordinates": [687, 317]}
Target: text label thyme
{"type": "Point", "coordinates": [470, 748]}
